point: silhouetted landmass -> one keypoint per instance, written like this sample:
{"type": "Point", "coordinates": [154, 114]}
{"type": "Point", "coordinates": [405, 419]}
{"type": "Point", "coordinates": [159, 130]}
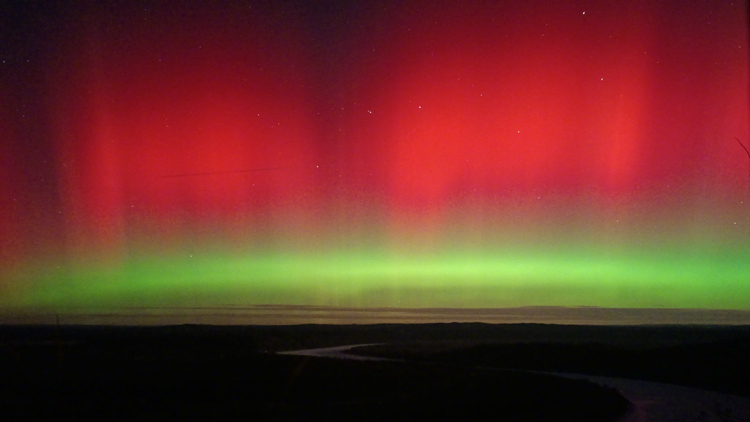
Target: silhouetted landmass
{"type": "Point", "coordinates": [713, 358]}
{"type": "Point", "coordinates": [195, 372]}
{"type": "Point", "coordinates": [277, 338]}
{"type": "Point", "coordinates": [222, 373]}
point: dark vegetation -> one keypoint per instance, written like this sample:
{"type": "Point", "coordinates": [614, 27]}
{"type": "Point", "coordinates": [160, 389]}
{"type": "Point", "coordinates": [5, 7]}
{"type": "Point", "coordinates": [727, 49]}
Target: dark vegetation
{"type": "Point", "coordinates": [230, 373]}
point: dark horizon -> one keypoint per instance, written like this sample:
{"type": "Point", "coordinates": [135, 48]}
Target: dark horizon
{"type": "Point", "coordinates": [302, 315]}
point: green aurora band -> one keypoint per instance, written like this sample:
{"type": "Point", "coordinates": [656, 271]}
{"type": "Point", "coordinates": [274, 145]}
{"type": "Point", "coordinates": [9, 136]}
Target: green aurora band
{"type": "Point", "coordinates": [645, 278]}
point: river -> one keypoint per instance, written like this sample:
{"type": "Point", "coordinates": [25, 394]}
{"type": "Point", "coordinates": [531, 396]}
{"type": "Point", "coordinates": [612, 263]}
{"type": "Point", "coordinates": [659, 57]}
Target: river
{"type": "Point", "coordinates": [653, 401]}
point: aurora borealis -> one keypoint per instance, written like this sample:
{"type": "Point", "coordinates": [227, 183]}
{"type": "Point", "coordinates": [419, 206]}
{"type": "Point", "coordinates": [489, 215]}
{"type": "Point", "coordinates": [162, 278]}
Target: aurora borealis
{"type": "Point", "coordinates": [374, 154]}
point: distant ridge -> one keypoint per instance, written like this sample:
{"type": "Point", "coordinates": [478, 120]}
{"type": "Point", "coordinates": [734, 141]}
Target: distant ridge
{"type": "Point", "coordinates": [309, 314]}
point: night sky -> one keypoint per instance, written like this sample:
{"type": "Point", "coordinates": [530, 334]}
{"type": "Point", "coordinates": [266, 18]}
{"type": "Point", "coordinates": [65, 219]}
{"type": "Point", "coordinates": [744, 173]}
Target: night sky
{"type": "Point", "coordinates": [374, 154]}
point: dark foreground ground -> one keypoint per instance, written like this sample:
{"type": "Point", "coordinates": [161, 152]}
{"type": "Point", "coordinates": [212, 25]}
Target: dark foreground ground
{"type": "Point", "coordinates": [192, 373]}
{"type": "Point", "coordinates": [710, 358]}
